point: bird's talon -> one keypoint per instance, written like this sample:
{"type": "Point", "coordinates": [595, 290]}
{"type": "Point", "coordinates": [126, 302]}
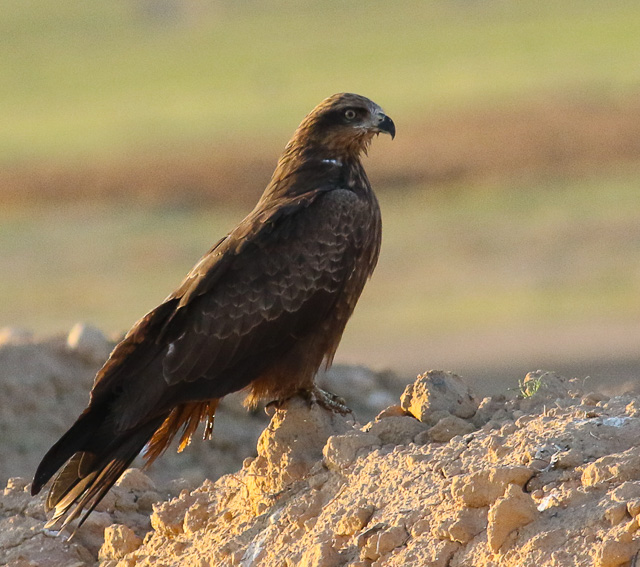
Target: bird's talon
{"type": "Point", "coordinates": [273, 406]}
{"type": "Point", "coordinates": [330, 402]}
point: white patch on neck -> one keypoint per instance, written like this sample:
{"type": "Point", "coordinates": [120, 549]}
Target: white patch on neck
{"type": "Point", "coordinates": [333, 162]}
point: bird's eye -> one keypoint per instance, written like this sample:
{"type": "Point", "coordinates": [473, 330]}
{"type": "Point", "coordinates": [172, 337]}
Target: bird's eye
{"type": "Point", "coordinates": [349, 114]}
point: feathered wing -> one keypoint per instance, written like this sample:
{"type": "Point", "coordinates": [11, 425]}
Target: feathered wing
{"type": "Point", "coordinates": [244, 306]}
{"type": "Point", "coordinates": [276, 289]}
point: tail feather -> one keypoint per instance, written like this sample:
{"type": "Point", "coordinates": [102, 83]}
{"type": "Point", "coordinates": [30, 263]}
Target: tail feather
{"type": "Point", "coordinates": [66, 480]}
{"type": "Point", "coordinates": [186, 416]}
{"type": "Point", "coordinates": [93, 454]}
{"type": "Point", "coordinates": [74, 490]}
{"type": "Point", "coordinates": [78, 436]}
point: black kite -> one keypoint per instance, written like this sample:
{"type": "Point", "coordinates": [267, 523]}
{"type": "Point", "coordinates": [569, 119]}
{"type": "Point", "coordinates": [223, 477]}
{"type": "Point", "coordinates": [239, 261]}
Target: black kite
{"type": "Point", "coordinates": [260, 312]}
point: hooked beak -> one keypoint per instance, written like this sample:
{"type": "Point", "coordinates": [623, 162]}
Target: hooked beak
{"type": "Point", "coordinates": [385, 124]}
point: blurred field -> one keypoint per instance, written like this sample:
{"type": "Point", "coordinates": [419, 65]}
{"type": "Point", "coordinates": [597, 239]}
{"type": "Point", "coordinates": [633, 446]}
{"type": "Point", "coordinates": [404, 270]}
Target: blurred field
{"type": "Point", "coordinates": [467, 279]}
{"type": "Point", "coordinates": [85, 78]}
{"type": "Point", "coordinates": [137, 133]}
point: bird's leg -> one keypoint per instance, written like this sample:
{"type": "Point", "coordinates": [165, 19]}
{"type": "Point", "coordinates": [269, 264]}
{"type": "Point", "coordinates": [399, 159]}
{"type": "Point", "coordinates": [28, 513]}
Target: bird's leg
{"type": "Point", "coordinates": [316, 395]}
{"type": "Point", "coordinates": [329, 401]}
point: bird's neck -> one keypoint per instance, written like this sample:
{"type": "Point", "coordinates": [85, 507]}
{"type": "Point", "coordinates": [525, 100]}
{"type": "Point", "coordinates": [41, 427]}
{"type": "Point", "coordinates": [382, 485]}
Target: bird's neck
{"type": "Point", "coordinates": [306, 168]}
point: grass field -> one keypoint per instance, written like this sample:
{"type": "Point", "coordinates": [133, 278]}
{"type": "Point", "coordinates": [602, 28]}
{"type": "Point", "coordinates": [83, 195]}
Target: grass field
{"type": "Point", "coordinates": [84, 78]}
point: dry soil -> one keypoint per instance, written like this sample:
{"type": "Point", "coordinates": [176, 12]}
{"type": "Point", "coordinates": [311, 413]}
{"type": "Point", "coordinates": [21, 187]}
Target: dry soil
{"type": "Point", "coordinates": [545, 475]}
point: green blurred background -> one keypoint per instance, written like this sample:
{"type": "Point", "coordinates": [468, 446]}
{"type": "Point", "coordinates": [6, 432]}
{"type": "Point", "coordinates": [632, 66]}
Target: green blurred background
{"type": "Point", "coordinates": [135, 133]}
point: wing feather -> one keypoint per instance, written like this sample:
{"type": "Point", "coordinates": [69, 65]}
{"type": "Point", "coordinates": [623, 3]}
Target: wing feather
{"type": "Point", "coordinates": [270, 282]}
{"type": "Point", "coordinates": [274, 289]}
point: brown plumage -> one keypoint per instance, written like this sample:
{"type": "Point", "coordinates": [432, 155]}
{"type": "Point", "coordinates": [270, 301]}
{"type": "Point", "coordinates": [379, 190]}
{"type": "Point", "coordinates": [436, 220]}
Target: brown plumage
{"type": "Point", "coordinates": [259, 312]}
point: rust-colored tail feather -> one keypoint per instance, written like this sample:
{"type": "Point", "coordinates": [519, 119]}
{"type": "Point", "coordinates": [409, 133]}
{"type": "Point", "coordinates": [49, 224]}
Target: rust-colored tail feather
{"type": "Point", "coordinates": [188, 416]}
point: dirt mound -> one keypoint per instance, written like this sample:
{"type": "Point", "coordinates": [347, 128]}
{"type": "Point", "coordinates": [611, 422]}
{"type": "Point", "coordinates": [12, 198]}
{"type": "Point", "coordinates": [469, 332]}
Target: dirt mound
{"type": "Point", "coordinates": [547, 476]}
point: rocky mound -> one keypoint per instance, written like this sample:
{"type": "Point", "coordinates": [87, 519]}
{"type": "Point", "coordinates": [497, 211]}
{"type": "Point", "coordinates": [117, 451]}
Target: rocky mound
{"type": "Point", "coordinates": [547, 476]}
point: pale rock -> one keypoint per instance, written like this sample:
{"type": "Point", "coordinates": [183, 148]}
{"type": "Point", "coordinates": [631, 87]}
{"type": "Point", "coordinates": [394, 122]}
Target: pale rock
{"type": "Point", "coordinates": [355, 520]}
{"type": "Point", "coordinates": [307, 510]}
{"type": "Point", "coordinates": [383, 541]}
{"type": "Point", "coordinates": [146, 501]}
{"type": "Point", "coordinates": [486, 408]}
{"type": "Point", "coordinates": [91, 534]}
{"type": "Point", "coordinates": [514, 510]}
{"type": "Point", "coordinates": [633, 409]}
{"type": "Point", "coordinates": [389, 539]}
{"type": "Point", "coordinates": [126, 500]}
{"type": "Point", "coordinates": [468, 523]}
{"type": "Point", "coordinates": [482, 488]}
{"type": "Point", "coordinates": [422, 526]}
{"type": "Point", "coordinates": [569, 459]}
{"type": "Point", "coordinates": [364, 537]}
{"type": "Point", "coordinates": [613, 552]}
{"type": "Point", "coordinates": [626, 491]}
{"type": "Point", "coordinates": [15, 495]}
{"type": "Point", "coordinates": [291, 445]}
{"type": "Point", "coordinates": [617, 467]}
{"type": "Point", "coordinates": [23, 544]}
{"type": "Point", "coordinates": [168, 517]}
{"type": "Point", "coordinates": [448, 428]}
{"type": "Point", "coordinates": [633, 507]}
{"type": "Point", "coordinates": [397, 430]}
{"type": "Point", "coordinates": [441, 553]}
{"type": "Point", "coordinates": [197, 516]}
{"type": "Point", "coordinates": [391, 411]}
{"type": "Point", "coordinates": [341, 451]}
{"type": "Point", "coordinates": [500, 415]}
{"type": "Point", "coordinates": [498, 448]}
{"type": "Point", "coordinates": [508, 428]}
{"type": "Point", "coordinates": [438, 391]}
{"type": "Point", "coordinates": [108, 503]}
{"type": "Point", "coordinates": [16, 483]}
{"type": "Point", "coordinates": [616, 513]}
{"type": "Point", "coordinates": [119, 540]}
{"type": "Point", "coordinates": [89, 342]}
{"type": "Point", "coordinates": [135, 479]}
{"type": "Point", "coordinates": [423, 438]}
{"type": "Point", "coordinates": [322, 554]}
{"type": "Point", "coordinates": [318, 480]}
{"type": "Point", "coordinates": [523, 420]}
{"type": "Point", "coordinates": [544, 386]}
{"type": "Point", "coordinates": [15, 335]}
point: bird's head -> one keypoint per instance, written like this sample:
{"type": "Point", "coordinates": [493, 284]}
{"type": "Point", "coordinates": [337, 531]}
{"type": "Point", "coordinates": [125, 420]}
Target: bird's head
{"type": "Point", "coordinates": [344, 123]}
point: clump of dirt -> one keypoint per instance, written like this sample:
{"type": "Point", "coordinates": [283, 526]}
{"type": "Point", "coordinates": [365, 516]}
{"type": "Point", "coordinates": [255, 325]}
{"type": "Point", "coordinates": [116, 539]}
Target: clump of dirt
{"type": "Point", "coordinates": [545, 476]}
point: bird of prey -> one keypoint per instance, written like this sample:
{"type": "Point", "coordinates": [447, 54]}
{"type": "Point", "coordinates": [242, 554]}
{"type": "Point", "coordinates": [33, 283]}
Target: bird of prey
{"type": "Point", "coordinates": [259, 312]}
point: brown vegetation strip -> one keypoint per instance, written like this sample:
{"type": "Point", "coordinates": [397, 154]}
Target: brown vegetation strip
{"type": "Point", "coordinates": [552, 136]}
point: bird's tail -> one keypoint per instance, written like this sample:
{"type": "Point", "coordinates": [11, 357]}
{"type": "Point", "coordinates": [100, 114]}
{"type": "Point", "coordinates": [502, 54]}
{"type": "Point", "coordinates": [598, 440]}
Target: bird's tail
{"type": "Point", "coordinates": [97, 457]}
